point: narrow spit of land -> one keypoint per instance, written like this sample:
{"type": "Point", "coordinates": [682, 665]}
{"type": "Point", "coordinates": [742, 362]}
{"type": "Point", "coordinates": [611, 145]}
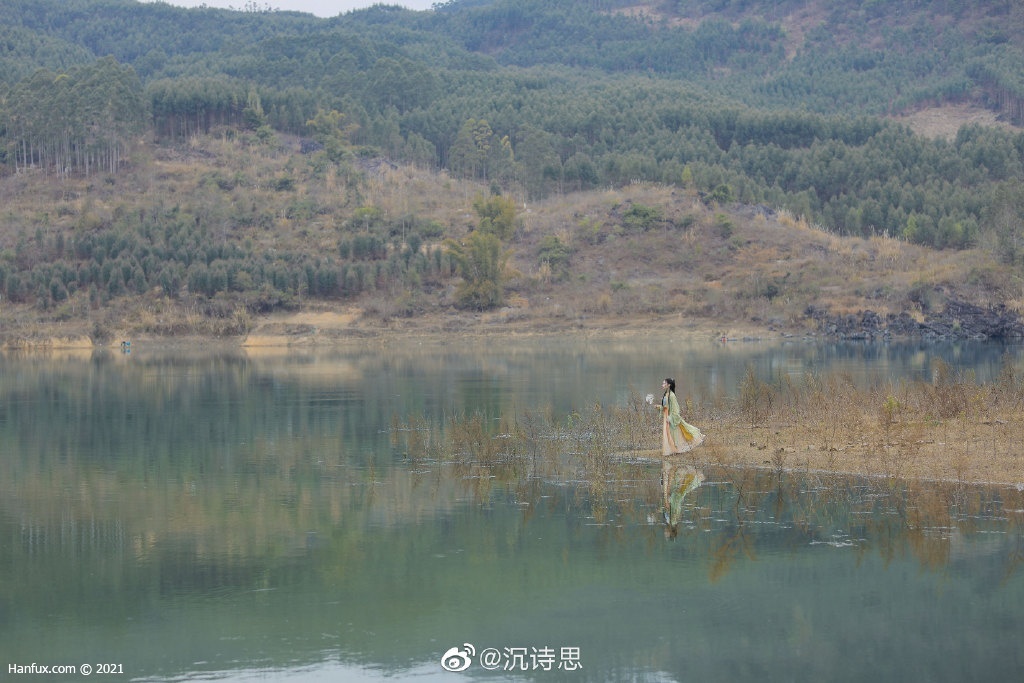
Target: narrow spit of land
{"type": "Point", "coordinates": [952, 429]}
{"type": "Point", "coordinates": [949, 429]}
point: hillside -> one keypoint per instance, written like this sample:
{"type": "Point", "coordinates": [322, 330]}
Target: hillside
{"type": "Point", "coordinates": [730, 167]}
{"type": "Point", "coordinates": [643, 257]}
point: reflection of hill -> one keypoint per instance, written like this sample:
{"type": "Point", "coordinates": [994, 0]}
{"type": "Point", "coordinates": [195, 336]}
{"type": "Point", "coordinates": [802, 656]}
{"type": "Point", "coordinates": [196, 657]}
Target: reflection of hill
{"type": "Point", "coordinates": [444, 549]}
{"type": "Point", "coordinates": [284, 504]}
{"type": "Point", "coordinates": [223, 509]}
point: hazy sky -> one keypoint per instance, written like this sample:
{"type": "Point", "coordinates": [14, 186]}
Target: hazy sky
{"type": "Point", "coordinates": [321, 8]}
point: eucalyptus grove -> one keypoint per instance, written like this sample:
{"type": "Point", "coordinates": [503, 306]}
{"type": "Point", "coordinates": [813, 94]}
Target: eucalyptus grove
{"type": "Point", "coordinates": [84, 120]}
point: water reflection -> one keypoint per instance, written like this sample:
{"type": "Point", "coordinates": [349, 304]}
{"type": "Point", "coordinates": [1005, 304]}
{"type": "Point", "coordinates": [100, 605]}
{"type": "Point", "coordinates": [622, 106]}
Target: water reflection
{"type": "Point", "coordinates": [677, 480]}
{"type": "Point", "coordinates": [223, 515]}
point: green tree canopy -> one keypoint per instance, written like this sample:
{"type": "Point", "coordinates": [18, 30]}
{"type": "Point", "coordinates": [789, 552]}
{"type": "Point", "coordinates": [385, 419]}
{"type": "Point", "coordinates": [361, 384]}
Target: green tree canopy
{"type": "Point", "coordinates": [481, 261]}
{"type": "Point", "coordinates": [497, 215]}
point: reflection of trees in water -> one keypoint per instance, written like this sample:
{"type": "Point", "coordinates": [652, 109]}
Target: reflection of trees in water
{"type": "Point", "coordinates": [128, 485]}
{"type": "Point", "coordinates": [741, 514]}
{"type": "Point", "coordinates": [259, 525]}
{"type": "Point", "coordinates": [231, 461]}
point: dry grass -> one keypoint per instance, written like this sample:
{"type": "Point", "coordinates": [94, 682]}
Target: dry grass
{"type": "Point", "coordinates": [945, 121]}
{"type": "Point", "coordinates": [733, 267]}
{"type": "Point", "coordinates": [950, 429]}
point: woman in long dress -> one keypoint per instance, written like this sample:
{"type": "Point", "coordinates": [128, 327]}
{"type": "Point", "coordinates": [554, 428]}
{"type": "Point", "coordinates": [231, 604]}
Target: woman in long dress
{"type": "Point", "coordinates": [677, 435]}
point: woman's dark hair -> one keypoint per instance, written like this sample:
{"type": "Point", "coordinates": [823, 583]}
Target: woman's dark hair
{"type": "Point", "coordinates": [671, 384]}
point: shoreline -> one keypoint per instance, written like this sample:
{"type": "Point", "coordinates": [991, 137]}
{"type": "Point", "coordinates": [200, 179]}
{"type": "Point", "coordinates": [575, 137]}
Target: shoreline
{"type": "Point", "coordinates": [341, 325]}
{"type": "Point", "coordinates": [327, 328]}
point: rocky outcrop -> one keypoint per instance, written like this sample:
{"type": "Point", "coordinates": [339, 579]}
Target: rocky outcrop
{"type": "Point", "coordinates": [958, 320]}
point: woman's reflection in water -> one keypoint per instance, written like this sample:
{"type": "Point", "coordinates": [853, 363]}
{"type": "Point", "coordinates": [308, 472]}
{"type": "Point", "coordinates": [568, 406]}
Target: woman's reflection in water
{"type": "Point", "coordinates": [677, 480]}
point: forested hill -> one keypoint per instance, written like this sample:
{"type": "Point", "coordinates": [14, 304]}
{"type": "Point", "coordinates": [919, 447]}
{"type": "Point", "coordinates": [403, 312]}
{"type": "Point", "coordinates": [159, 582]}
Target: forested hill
{"type": "Point", "coordinates": [864, 56]}
{"type": "Point", "coordinates": [788, 104]}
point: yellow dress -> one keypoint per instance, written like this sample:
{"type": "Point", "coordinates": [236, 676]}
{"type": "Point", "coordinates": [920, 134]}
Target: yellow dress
{"type": "Point", "coordinates": [677, 435]}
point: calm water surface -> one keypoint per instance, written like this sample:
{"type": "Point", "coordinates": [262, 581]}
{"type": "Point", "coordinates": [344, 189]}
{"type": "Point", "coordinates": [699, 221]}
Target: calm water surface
{"type": "Point", "coordinates": [241, 516]}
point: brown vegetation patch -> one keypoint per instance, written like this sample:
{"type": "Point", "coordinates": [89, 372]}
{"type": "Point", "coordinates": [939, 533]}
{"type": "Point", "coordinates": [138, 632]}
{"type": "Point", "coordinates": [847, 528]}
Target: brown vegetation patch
{"type": "Point", "coordinates": [49, 343]}
{"type": "Point", "coordinates": [653, 12]}
{"type": "Point", "coordinates": [945, 121]}
{"type": "Point", "coordinates": [798, 24]}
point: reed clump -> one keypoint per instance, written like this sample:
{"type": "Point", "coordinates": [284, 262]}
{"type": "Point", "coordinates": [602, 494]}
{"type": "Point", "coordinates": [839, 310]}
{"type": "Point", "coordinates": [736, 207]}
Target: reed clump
{"type": "Point", "coordinates": [949, 428]}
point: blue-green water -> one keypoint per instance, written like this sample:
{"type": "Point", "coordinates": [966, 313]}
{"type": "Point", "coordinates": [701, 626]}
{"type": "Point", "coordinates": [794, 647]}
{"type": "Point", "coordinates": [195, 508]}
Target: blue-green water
{"type": "Point", "coordinates": [237, 516]}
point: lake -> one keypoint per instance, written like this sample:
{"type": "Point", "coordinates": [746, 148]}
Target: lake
{"type": "Point", "coordinates": [223, 514]}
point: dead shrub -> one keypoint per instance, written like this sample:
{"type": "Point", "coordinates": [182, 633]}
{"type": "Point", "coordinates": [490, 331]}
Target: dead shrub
{"type": "Point", "coordinates": [757, 398]}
